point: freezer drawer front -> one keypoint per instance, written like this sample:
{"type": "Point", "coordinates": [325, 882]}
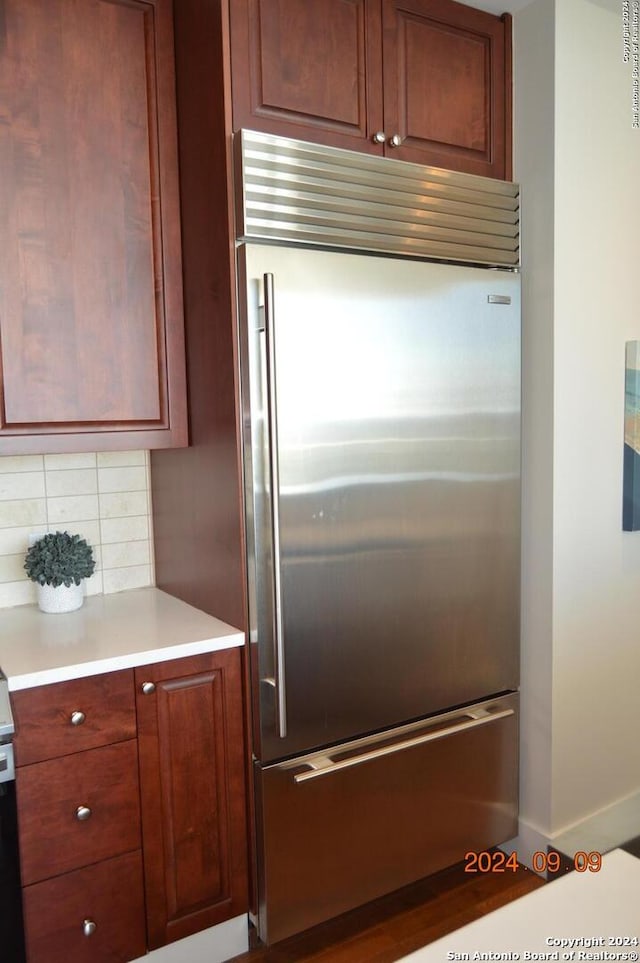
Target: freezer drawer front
{"type": "Point", "coordinates": [377, 817]}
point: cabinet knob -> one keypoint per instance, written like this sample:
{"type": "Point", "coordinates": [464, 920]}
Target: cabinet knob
{"type": "Point", "coordinates": [379, 137]}
{"type": "Point", "coordinates": [82, 813]}
{"type": "Point", "coordinates": [88, 927]}
{"type": "Point", "coordinates": [148, 688]}
{"type": "Point", "coordinates": [77, 718]}
{"type": "Point", "coordinates": [395, 141]}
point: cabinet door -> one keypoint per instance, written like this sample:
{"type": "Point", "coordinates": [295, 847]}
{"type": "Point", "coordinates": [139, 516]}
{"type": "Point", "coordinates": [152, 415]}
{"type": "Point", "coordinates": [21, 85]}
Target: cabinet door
{"type": "Point", "coordinates": [447, 86]}
{"type": "Point", "coordinates": [308, 70]}
{"type": "Point", "coordinates": [90, 302]}
{"type": "Point", "coordinates": [192, 786]}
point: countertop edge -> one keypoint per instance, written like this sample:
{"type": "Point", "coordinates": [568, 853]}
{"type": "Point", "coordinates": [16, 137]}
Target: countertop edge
{"type": "Point", "coordinates": [65, 673]}
{"type": "Point", "coordinates": [109, 633]}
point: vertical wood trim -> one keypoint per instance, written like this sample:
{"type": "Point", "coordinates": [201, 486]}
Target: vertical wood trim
{"type": "Point", "coordinates": [196, 493]}
{"type": "Point", "coordinates": [507, 21]}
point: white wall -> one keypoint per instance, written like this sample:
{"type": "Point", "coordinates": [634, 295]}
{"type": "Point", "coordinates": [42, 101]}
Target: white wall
{"type": "Point", "coordinates": [578, 160]}
{"type": "Point", "coordinates": [534, 164]}
{"type": "Point", "coordinates": [597, 308]}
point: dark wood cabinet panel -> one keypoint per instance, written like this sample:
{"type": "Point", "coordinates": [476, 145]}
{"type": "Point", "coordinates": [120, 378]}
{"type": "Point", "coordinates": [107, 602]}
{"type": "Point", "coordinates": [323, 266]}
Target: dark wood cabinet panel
{"type": "Point", "coordinates": [433, 77]}
{"type": "Point", "coordinates": [67, 717]}
{"type": "Point", "coordinates": [446, 85]}
{"type": "Point", "coordinates": [91, 327]}
{"type": "Point", "coordinates": [53, 837]}
{"type": "Point", "coordinates": [190, 731]}
{"type": "Point", "coordinates": [109, 894]}
{"type": "Point", "coordinates": [308, 70]}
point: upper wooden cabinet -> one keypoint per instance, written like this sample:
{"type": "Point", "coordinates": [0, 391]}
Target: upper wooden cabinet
{"type": "Point", "coordinates": [427, 81]}
{"type": "Point", "coordinates": [91, 327]}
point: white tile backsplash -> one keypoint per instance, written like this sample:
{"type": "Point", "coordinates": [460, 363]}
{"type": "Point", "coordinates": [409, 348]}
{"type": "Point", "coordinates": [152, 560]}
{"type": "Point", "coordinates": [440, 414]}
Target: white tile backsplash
{"type": "Point", "coordinates": [122, 479]}
{"type": "Point", "coordinates": [21, 484]}
{"type": "Point", "coordinates": [104, 497]}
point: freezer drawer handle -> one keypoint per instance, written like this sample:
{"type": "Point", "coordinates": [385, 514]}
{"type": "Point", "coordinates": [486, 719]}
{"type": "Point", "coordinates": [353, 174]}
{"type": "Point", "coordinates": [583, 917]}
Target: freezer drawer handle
{"type": "Point", "coordinates": [323, 765]}
{"type": "Point", "coordinates": [274, 480]}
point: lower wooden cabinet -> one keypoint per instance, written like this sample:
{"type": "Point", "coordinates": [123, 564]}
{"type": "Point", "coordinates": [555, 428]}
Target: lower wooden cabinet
{"type": "Point", "coordinates": [192, 793]}
{"type": "Point", "coordinates": [92, 915]}
{"type": "Point", "coordinates": [135, 842]}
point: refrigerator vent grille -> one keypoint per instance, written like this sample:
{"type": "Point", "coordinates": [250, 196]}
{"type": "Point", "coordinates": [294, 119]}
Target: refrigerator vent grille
{"type": "Point", "coordinates": [293, 191]}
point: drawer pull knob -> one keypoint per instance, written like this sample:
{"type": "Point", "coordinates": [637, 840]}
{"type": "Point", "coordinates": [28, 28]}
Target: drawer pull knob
{"type": "Point", "coordinates": [379, 137]}
{"type": "Point", "coordinates": [88, 927]}
{"type": "Point", "coordinates": [395, 141]}
{"type": "Point", "coordinates": [148, 688]}
{"type": "Point", "coordinates": [77, 718]}
{"type": "Point", "coordinates": [82, 813]}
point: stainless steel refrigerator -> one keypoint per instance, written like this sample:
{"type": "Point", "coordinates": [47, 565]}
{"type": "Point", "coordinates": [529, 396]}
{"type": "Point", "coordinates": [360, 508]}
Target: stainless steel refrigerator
{"type": "Point", "coordinates": [381, 403]}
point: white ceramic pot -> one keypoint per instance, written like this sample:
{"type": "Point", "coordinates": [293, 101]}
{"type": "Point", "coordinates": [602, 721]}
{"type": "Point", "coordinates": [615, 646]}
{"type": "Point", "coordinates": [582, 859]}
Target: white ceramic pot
{"type": "Point", "coordinates": [60, 598]}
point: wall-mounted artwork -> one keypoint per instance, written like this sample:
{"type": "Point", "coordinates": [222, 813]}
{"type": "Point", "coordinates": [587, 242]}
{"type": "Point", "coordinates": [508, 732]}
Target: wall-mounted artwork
{"type": "Point", "coordinates": [631, 472]}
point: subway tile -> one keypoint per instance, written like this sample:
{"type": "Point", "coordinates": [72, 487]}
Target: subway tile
{"type": "Point", "coordinates": [20, 463]}
{"type": "Point", "coordinates": [94, 585]}
{"type": "Point", "coordinates": [15, 540]}
{"type": "Point", "coordinates": [85, 459]}
{"type": "Point", "coordinates": [17, 593]}
{"type": "Point", "coordinates": [83, 481]}
{"type": "Point", "coordinates": [122, 479]}
{"type": "Point", "coordinates": [87, 529]}
{"type": "Point", "coordinates": [119, 579]}
{"type": "Point", "coordinates": [68, 507]}
{"type": "Point", "coordinates": [126, 554]}
{"type": "Point", "coordinates": [120, 504]}
{"type": "Point", "coordinates": [103, 497]}
{"type": "Point", "coordinates": [124, 529]}
{"type": "Point", "coordinates": [24, 511]}
{"type": "Point", "coordinates": [119, 459]}
{"type": "Point", "coordinates": [12, 568]}
{"type": "Point", "coordinates": [21, 484]}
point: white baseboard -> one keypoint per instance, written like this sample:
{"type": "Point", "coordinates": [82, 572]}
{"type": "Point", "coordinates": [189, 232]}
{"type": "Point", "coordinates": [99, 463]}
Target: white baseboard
{"type": "Point", "coordinates": [214, 945]}
{"type": "Point", "coordinates": [599, 832]}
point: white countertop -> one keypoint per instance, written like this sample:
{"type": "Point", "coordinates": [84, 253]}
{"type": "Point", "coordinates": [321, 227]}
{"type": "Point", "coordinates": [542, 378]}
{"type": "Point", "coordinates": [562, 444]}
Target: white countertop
{"type": "Point", "coordinates": [109, 632]}
{"type": "Point", "coordinates": [572, 918]}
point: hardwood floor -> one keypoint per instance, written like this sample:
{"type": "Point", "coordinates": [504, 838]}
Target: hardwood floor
{"type": "Point", "coordinates": [390, 927]}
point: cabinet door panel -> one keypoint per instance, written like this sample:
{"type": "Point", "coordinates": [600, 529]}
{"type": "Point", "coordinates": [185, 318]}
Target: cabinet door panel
{"type": "Point", "coordinates": [192, 790]}
{"type": "Point", "coordinates": [92, 274]}
{"type": "Point", "coordinates": [308, 70]}
{"type": "Point", "coordinates": [445, 85]}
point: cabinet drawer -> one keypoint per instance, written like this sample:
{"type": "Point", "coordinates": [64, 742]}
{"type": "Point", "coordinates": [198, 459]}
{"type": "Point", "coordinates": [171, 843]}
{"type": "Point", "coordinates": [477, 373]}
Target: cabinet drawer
{"type": "Point", "coordinates": [54, 838]}
{"type": "Point", "coordinates": [110, 895]}
{"type": "Point", "coordinates": [55, 720]}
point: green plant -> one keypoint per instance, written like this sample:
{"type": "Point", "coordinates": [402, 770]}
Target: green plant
{"type": "Point", "coordinates": [59, 559]}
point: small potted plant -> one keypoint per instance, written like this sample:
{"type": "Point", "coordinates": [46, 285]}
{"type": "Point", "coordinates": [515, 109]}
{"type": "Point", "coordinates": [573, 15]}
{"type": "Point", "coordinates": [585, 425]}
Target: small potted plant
{"type": "Point", "coordinates": [58, 562]}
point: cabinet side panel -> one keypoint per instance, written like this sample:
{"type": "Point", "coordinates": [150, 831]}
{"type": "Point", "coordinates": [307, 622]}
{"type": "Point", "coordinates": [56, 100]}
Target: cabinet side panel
{"type": "Point", "coordinates": [197, 508]}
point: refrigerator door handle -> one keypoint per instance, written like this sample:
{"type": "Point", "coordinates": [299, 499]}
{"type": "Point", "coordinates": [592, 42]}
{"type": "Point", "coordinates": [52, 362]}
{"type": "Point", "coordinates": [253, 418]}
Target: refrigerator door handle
{"type": "Point", "coordinates": [279, 681]}
{"type": "Point", "coordinates": [324, 765]}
